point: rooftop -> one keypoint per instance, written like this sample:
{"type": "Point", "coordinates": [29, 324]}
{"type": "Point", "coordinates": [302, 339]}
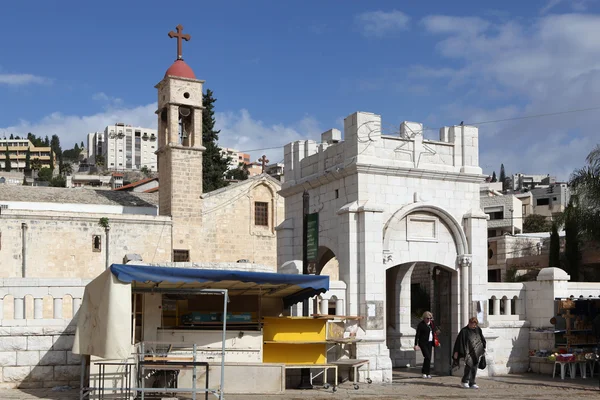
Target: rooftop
{"type": "Point", "coordinates": [40, 194]}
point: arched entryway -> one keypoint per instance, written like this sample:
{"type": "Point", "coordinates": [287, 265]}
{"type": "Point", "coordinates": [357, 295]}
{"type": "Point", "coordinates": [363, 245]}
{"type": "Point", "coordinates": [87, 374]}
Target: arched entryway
{"type": "Point", "coordinates": [422, 248]}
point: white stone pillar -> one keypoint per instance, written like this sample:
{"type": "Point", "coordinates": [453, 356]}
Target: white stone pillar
{"type": "Point", "coordinates": [76, 305]}
{"type": "Point", "coordinates": [518, 306]}
{"type": "Point", "coordinates": [496, 306]}
{"type": "Point", "coordinates": [348, 260]}
{"type": "Point", "coordinates": [1, 308]}
{"type": "Point", "coordinates": [19, 307]}
{"type": "Point", "coordinates": [324, 306]}
{"type": "Point", "coordinates": [38, 308]}
{"type": "Point", "coordinates": [465, 273]}
{"type": "Point", "coordinates": [403, 291]}
{"type": "Point", "coordinates": [339, 307]}
{"type": "Point", "coordinates": [58, 308]}
{"type": "Point", "coordinates": [507, 306]}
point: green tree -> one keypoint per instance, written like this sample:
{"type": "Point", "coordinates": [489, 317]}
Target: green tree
{"type": "Point", "coordinates": [585, 194]}
{"type": "Point", "coordinates": [28, 160]}
{"type": "Point", "coordinates": [45, 174]}
{"type": "Point", "coordinates": [214, 164]}
{"type": "Point", "coordinates": [7, 165]}
{"type": "Point", "coordinates": [503, 178]}
{"type": "Point", "coordinates": [494, 179]}
{"type": "Point", "coordinates": [46, 141]}
{"type": "Point", "coordinates": [81, 146]}
{"type": "Point", "coordinates": [36, 164]}
{"type": "Point", "coordinates": [100, 161]}
{"type": "Point", "coordinates": [536, 223]}
{"type": "Point", "coordinates": [554, 256]}
{"type": "Point", "coordinates": [145, 170]}
{"type": "Point", "coordinates": [572, 253]}
{"type": "Point", "coordinates": [240, 173]}
{"type": "Point", "coordinates": [67, 169]}
{"type": "Point", "coordinates": [58, 181]}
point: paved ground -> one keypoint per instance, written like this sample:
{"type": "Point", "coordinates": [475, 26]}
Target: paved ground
{"type": "Point", "coordinates": [406, 385]}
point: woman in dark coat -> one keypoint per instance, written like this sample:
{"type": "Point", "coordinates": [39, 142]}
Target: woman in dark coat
{"type": "Point", "coordinates": [424, 341]}
{"type": "Point", "coordinates": [470, 345]}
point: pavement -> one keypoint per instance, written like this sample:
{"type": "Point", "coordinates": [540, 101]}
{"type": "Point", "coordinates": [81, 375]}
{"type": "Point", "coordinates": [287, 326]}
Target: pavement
{"type": "Point", "coordinates": [407, 384]}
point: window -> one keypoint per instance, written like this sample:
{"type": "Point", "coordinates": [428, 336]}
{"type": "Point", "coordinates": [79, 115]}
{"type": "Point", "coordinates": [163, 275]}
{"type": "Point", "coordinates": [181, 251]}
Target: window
{"type": "Point", "coordinates": [543, 202]}
{"type": "Point", "coordinates": [181, 255]}
{"type": "Point", "coordinates": [495, 212]}
{"type": "Point", "coordinates": [337, 193]}
{"type": "Point", "coordinates": [96, 243]}
{"type": "Point", "coordinates": [261, 213]}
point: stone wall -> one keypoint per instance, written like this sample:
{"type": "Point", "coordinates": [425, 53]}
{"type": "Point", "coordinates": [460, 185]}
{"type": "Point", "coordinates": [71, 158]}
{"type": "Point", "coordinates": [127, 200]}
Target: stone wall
{"type": "Point", "coordinates": [37, 335]}
{"type": "Point", "coordinates": [62, 244]}
{"type": "Point", "coordinates": [38, 356]}
{"type": "Point", "coordinates": [229, 230]}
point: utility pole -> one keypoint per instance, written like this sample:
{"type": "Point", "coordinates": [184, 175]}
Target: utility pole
{"type": "Point", "coordinates": [305, 372]}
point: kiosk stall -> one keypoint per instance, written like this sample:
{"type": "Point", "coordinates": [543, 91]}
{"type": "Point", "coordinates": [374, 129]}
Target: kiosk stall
{"type": "Point", "coordinates": [199, 325]}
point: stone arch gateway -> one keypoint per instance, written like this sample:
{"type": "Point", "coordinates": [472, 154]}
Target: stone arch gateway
{"type": "Point", "coordinates": [386, 201]}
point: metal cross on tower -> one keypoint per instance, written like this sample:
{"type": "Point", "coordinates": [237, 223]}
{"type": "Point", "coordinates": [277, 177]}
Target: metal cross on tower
{"type": "Point", "coordinates": [180, 36]}
{"type": "Point", "coordinates": [263, 160]}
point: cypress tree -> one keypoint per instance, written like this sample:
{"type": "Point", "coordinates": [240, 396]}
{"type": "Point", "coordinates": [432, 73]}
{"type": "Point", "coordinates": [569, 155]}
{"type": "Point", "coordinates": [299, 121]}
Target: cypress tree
{"type": "Point", "coordinates": [554, 257]}
{"type": "Point", "coordinates": [28, 160]}
{"type": "Point", "coordinates": [214, 165]}
{"type": "Point", "coordinates": [7, 165]}
{"type": "Point", "coordinates": [503, 177]}
{"type": "Point", "coordinates": [494, 179]}
{"type": "Point", "coordinates": [572, 255]}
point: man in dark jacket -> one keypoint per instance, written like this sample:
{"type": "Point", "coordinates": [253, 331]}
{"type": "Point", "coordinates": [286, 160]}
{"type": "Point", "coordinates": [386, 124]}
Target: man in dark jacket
{"type": "Point", "coordinates": [470, 345]}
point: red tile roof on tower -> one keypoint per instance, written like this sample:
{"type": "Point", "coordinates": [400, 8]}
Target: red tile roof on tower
{"type": "Point", "coordinates": [180, 69]}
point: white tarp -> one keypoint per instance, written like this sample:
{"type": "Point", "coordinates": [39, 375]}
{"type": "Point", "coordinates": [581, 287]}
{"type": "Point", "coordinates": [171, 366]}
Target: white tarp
{"type": "Point", "coordinates": [104, 321]}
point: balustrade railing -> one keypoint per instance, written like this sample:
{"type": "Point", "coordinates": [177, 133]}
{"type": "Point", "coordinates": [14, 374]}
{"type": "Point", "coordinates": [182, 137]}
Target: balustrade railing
{"type": "Point", "coordinates": [506, 299]}
{"type": "Point", "coordinates": [29, 301]}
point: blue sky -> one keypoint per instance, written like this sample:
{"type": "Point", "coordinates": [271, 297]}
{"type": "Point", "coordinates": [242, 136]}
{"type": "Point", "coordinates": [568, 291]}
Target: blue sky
{"type": "Point", "coordinates": [284, 71]}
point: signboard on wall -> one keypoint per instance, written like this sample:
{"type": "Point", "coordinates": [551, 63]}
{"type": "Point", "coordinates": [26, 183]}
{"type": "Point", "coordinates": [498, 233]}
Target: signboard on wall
{"type": "Point", "coordinates": [312, 237]}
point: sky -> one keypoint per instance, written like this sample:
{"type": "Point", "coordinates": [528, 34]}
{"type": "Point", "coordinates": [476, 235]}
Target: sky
{"type": "Point", "coordinates": [289, 70]}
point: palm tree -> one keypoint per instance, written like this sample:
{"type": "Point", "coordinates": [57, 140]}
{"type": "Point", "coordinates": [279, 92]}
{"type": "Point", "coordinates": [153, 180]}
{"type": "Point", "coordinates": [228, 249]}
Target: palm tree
{"type": "Point", "coordinates": [585, 192]}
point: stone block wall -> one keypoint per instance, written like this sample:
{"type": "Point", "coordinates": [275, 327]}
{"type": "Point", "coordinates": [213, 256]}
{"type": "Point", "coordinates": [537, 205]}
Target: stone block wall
{"type": "Point", "coordinates": [38, 356]}
{"type": "Point", "coordinates": [61, 244]}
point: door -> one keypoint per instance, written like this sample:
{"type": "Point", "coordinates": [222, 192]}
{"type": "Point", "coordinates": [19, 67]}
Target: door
{"type": "Point", "coordinates": [442, 313]}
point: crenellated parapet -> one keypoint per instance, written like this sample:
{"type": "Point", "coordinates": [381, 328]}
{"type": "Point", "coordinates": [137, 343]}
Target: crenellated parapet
{"type": "Point", "coordinates": [365, 146]}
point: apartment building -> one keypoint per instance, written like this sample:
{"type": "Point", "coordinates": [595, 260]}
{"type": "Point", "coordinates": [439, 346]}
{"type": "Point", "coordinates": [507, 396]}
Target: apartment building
{"type": "Point", "coordinates": [124, 147]}
{"type": "Point", "coordinates": [17, 151]}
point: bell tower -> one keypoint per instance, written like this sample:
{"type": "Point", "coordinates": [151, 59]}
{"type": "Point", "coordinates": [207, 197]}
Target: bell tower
{"type": "Point", "coordinates": [180, 150]}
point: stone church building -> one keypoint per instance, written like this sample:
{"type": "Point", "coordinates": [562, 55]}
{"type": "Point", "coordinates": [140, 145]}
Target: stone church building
{"type": "Point", "coordinates": [50, 232]}
{"type": "Point", "coordinates": [393, 210]}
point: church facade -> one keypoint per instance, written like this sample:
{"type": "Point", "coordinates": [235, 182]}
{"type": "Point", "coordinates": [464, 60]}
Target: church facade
{"type": "Point", "coordinates": [391, 209]}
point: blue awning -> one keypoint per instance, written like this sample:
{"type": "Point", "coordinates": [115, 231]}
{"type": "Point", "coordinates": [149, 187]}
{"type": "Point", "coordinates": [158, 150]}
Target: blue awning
{"type": "Point", "coordinates": [291, 288]}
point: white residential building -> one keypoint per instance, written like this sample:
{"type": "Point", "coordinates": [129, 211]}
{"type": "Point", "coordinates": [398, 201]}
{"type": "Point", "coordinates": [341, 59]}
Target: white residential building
{"type": "Point", "coordinates": [505, 211]}
{"type": "Point", "coordinates": [124, 147]}
{"type": "Point", "coordinates": [522, 182]}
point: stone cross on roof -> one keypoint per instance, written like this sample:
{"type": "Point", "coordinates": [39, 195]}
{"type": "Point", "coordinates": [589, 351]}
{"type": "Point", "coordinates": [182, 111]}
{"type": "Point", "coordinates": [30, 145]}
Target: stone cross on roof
{"type": "Point", "coordinates": [180, 36]}
{"type": "Point", "coordinates": [263, 160]}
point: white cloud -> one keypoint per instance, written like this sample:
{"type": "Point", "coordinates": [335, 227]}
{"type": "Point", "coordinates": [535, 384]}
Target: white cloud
{"type": "Point", "coordinates": [381, 23]}
{"type": "Point", "coordinates": [454, 25]}
{"type": "Point", "coordinates": [547, 65]}
{"type": "Point", "coordinates": [23, 79]}
{"type": "Point", "coordinates": [238, 128]}
{"type": "Point", "coordinates": [242, 132]}
{"type": "Point", "coordinates": [73, 129]}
